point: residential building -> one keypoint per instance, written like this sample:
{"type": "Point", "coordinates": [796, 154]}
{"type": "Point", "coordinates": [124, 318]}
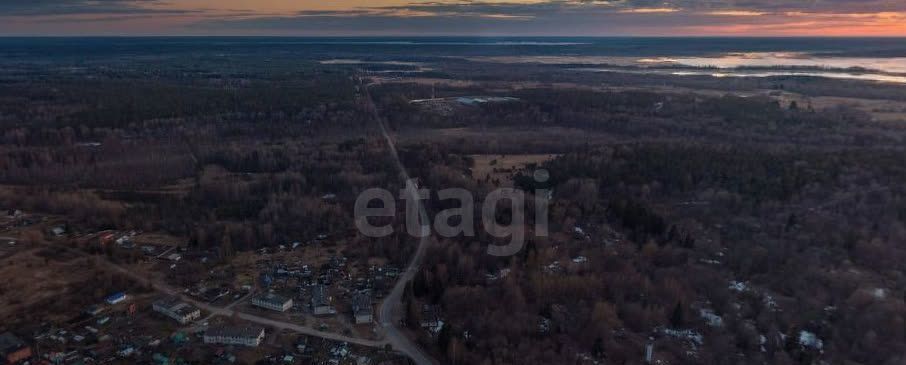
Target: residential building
{"type": "Point", "coordinates": [431, 318]}
{"type": "Point", "coordinates": [116, 298]}
{"type": "Point", "coordinates": [58, 231]}
{"type": "Point", "coordinates": [12, 349]}
{"type": "Point", "coordinates": [320, 301]}
{"type": "Point", "coordinates": [176, 309]}
{"type": "Point", "coordinates": [228, 335]}
{"type": "Point", "coordinates": [362, 310]}
{"type": "Point", "coordinates": [273, 302]}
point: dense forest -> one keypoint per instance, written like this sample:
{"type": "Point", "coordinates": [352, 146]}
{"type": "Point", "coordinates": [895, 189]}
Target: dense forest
{"type": "Point", "coordinates": [746, 287]}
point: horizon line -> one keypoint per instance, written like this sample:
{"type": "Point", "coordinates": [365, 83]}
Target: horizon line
{"type": "Point", "coordinates": [448, 36]}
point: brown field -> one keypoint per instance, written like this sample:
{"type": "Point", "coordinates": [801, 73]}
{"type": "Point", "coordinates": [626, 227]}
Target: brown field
{"type": "Point", "coordinates": [884, 111]}
{"type": "Point", "coordinates": [37, 278]}
{"type": "Point", "coordinates": [503, 167]}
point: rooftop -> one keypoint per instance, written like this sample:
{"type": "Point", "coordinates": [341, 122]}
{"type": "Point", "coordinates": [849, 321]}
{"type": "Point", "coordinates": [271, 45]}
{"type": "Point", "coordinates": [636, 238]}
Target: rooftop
{"type": "Point", "coordinates": [272, 298]}
{"type": "Point", "coordinates": [175, 305]}
{"type": "Point", "coordinates": [319, 296]}
{"type": "Point", "coordinates": [234, 331]}
{"type": "Point", "coordinates": [361, 303]}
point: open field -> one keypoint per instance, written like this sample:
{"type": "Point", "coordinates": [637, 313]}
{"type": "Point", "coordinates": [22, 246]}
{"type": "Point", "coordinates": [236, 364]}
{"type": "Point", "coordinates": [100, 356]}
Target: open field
{"type": "Point", "coordinates": [502, 168]}
{"type": "Point", "coordinates": [52, 286]}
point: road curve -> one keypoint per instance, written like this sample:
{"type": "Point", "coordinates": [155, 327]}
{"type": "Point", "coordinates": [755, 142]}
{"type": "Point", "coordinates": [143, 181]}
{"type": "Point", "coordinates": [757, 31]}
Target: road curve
{"type": "Point", "coordinates": [390, 311]}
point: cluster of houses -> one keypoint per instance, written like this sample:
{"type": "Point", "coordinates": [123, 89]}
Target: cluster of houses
{"type": "Point", "coordinates": [100, 334]}
{"type": "Point", "coordinates": [112, 330]}
{"type": "Point", "coordinates": [281, 273]}
{"type": "Point", "coordinates": [320, 303]}
{"type": "Point", "coordinates": [314, 287]}
{"type": "Point", "coordinates": [59, 344]}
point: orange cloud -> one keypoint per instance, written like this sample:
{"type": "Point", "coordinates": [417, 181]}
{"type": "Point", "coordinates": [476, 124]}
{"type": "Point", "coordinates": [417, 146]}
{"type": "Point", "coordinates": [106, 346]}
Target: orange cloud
{"type": "Point", "coordinates": [574, 17]}
{"type": "Point", "coordinates": [736, 13]}
{"type": "Point", "coordinates": [880, 24]}
{"type": "Point", "coordinates": [649, 10]}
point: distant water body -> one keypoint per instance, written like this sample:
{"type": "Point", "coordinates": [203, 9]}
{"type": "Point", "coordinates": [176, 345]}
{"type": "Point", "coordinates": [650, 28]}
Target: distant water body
{"type": "Point", "coordinates": [741, 60]}
{"type": "Point", "coordinates": [883, 69]}
{"type": "Point", "coordinates": [875, 59]}
{"type": "Point", "coordinates": [878, 69]}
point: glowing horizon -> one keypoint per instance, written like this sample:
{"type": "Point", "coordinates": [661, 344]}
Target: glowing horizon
{"type": "Point", "coordinates": [840, 18]}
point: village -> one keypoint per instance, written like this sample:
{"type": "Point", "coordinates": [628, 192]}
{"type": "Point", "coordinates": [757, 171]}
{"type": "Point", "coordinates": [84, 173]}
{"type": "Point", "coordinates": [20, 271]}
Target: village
{"type": "Point", "coordinates": [298, 303]}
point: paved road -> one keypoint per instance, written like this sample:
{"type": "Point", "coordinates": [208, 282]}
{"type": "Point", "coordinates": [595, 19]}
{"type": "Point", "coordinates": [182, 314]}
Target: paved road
{"type": "Point", "coordinates": [231, 305]}
{"type": "Point", "coordinates": [390, 312]}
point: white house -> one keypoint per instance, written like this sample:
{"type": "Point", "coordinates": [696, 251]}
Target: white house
{"type": "Point", "coordinates": [273, 302]}
{"type": "Point", "coordinates": [243, 336]}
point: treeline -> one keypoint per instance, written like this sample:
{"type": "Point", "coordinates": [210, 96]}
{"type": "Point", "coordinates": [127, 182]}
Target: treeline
{"type": "Point", "coordinates": [632, 113]}
{"type": "Point", "coordinates": [755, 174]}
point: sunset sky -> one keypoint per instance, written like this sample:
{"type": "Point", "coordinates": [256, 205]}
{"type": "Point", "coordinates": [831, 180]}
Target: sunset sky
{"type": "Point", "coordinates": [492, 17]}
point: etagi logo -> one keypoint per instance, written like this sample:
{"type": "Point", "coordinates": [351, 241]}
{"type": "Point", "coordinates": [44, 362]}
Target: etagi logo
{"type": "Point", "coordinates": [418, 224]}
